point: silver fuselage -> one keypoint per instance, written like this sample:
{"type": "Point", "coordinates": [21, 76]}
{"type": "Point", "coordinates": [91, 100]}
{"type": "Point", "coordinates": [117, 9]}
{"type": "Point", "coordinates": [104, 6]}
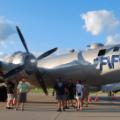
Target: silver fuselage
{"type": "Point", "coordinates": [72, 66]}
{"type": "Point", "coordinates": [77, 65]}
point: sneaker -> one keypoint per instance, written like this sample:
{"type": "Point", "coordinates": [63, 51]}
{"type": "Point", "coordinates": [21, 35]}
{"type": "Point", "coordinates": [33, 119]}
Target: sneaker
{"type": "Point", "coordinates": [9, 108]}
{"type": "Point", "coordinates": [67, 107]}
{"type": "Point", "coordinates": [22, 109]}
{"type": "Point", "coordinates": [59, 110]}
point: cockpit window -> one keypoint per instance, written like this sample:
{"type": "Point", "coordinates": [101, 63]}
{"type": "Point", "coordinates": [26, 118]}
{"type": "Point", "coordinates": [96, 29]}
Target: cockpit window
{"type": "Point", "coordinates": [102, 52]}
{"type": "Point", "coordinates": [115, 49]}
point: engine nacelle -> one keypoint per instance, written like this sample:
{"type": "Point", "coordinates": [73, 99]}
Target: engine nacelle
{"type": "Point", "coordinates": [21, 58]}
{"type": "Point", "coordinates": [17, 58]}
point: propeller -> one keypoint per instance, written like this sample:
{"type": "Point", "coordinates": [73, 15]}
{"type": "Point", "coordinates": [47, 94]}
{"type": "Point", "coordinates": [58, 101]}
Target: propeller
{"type": "Point", "coordinates": [14, 71]}
{"type": "Point", "coordinates": [47, 53]}
{"type": "Point", "coordinates": [22, 39]}
{"type": "Point", "coordinates": [41, 81]}
{"type": "Point", "coordinates": [29, 62]}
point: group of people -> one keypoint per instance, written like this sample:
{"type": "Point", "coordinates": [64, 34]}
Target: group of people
{"type": "Point", "coordinates": [16, 96]}
{"type": "Point", "coordinates": [71, 94]}
{"type": "Point", "coordinates": [68, 93]}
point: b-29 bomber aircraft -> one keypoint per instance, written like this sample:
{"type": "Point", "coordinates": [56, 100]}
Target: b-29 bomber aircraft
{"type": "Point", "coordinates": [99, 65]}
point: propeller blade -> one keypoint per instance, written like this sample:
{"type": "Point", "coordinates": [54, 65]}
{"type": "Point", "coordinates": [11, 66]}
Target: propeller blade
{"type": "Point", "coordinates": [14, 71]}
{"type": "Point", "coordinates": [22, 39]}
{"type": "Point", "coordinates": [41, 82]}
{"type": "Point", "coordinates": [47, 53]}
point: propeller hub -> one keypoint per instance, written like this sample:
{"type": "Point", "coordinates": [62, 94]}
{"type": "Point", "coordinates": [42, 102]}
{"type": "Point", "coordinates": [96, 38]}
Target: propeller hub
{"type": "Point", "coordinates": [30, 63]}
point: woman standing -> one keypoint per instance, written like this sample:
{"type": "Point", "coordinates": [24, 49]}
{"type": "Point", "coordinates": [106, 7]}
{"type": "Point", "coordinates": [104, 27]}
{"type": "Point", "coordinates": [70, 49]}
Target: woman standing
{"type": "Point", "coordinates": [79, 95]}
{"type": "Point", "coordinates": [10, 94]}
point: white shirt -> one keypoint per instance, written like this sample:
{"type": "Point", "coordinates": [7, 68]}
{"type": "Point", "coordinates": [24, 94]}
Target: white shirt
{"type": "Point", "coordinates": [79, 88]}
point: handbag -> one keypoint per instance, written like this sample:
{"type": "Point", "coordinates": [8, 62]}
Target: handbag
{"type": "Point", "coordinates": [14, 101]}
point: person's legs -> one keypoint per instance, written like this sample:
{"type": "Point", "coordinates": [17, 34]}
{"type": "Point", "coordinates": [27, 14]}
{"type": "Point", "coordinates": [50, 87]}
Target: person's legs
{"type": "Point", "coordinates": [63, 104]}
{"type": "Point", "coordinates": [24, 98]}
{"type": "Point", "coordinates": [75, 102]}
{"type": "Point", "coordinates": [80, 103]}
{"type": "Point", "coordinates": [17, 105]}
{"type": "Point", "coordinates": [81, 100]}
{"type": "Point", "coordinates": [86, 102]}
{"type": "Point", "coordinates": [72, 102]}
{"type": "Point", "coordinates": [22, 106]}
{"type": "Point", "coordinates": [19, 100]}
{"type": "Point", "coordinates": [59, 102]}
{"type": "Point", "coordinates": [9, 101]}
{"type": "Point", "coordinates": [59, 105]}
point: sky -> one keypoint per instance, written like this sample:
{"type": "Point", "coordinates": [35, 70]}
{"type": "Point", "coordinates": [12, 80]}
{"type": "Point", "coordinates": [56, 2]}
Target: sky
{"type": "Point", "coordinates": [66, 24]}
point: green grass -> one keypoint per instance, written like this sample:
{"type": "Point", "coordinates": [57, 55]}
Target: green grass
{"type": "Point", "coordinates": [50, 90]}
{"type": "Point", "coordinates": [39, 90]}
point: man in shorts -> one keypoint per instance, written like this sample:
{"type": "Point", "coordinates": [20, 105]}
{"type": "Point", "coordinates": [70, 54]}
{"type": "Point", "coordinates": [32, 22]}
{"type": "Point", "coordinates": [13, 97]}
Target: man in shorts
{"type": "Point", "coordinates": [22, 90]}
{"type": "Point", "coordinates": [59, 88]}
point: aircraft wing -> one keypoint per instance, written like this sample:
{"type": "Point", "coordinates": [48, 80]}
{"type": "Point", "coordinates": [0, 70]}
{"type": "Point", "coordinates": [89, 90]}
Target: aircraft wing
{"type": "Point", "coordinates": [72, 71]}
{"type": "Point", "coordinates": [111, 87]}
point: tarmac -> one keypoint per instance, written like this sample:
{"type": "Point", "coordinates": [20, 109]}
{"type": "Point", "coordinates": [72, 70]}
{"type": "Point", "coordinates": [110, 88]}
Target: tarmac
{"type": "Point", "coordinates": [41, 107]}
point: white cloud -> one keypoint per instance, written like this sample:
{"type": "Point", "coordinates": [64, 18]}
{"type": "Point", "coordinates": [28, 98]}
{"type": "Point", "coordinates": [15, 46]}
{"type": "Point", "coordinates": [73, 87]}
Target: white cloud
{"type": "Point", "coordinates": [113, 39]}
{"type": "Point", "coordinates": [99, 21]}
{"type": "Point", "coordinates": [6, 30]}
{"type": "Point", "coordinates": [4, 57]}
